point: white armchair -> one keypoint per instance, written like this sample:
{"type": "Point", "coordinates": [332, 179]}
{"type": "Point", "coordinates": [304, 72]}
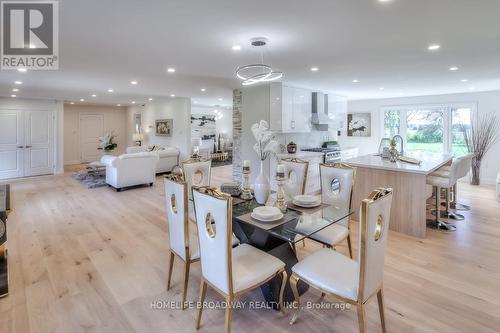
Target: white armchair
{"type": "Point", "coordinates": [130, 169]}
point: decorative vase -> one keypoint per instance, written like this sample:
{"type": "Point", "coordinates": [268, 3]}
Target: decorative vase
{"type": "Point", "coordinates": [261, 186]}
{"type": "Point", "coordinates": [291, 148]}
{"type": "Point", "coordinates": [475, 174]}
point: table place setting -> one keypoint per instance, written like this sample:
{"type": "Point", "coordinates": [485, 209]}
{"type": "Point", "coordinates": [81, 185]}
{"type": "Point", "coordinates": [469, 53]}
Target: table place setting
{"type": "Point", "coordinates": [306, 203]}
{"type": "Point", "coordinates": [266, 217]}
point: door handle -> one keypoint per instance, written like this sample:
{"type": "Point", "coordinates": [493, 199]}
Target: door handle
{"type": "Point", "coordinates": [20, 146]}
{"type": "Point", "coordinates": [28, 146]}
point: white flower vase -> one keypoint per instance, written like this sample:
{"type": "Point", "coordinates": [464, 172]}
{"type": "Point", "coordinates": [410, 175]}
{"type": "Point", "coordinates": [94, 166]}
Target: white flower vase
{"type": "Point", "coordinates": [261, 186]}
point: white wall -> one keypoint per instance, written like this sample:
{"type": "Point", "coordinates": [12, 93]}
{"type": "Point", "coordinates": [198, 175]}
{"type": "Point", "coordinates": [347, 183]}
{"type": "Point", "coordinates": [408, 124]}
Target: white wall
{"type": "Point", "coordinates": [178, 109]}
{"type": "Point", "coordinates": [486, 102]}
{"type": "Point", "coordinates": [37, 104]}
{"type": "Point", "coordinates": [115, 120]}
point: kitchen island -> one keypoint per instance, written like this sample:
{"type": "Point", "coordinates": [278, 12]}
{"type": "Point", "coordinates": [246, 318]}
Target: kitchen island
{"type": "Point", "coordinates": [408, 213]}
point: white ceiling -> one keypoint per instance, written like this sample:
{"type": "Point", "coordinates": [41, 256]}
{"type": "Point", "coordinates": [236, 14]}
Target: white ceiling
{"type": "Point", "coordinates": [106, 44]}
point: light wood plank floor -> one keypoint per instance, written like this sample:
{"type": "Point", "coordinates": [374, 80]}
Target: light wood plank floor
{"type": "Point", "coordinates": [93, 260]}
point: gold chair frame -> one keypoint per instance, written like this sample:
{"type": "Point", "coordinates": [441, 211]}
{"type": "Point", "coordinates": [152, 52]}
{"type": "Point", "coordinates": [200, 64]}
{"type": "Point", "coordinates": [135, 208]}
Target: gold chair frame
{"type": "Point", "coordinates": [229, 297]}
{"type": "Point", "coordinates": [187, 263]}
{"type": "Point", "coordinates": [296, 160]}
{"type": "Point", "coordinates": [359, 303]}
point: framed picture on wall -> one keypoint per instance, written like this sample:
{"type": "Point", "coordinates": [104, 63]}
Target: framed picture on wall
{"type": "Point", "coordinates": [164, 127]}
{"type": "Point", "coordinates": [359, 124]}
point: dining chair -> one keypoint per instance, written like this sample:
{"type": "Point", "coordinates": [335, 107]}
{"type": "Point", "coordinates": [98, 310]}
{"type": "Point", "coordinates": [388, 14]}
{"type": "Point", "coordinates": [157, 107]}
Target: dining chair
{"type": "Point", "coordinates": [296, 176]}
{"type": "Point", "coordinates": [353, 282]}
{"type": "Point", "coordinates": [337, 182]}
{"type": "Point", "coordinates": [229, 271]}
{"type": "Point", "coordinates": [197, 171]}
{"type": "Point", "coordinates": [182, 245]}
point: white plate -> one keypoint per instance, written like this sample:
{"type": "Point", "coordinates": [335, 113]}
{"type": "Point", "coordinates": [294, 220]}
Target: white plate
{"type": "Point", "coordinates": [259, 218]}
{"type": "Point", "coordinates": [266, 212]}
{"type": "Point", "coordinates": [306, 199]}
{"type": "Point", "coordinates": [310, 205]}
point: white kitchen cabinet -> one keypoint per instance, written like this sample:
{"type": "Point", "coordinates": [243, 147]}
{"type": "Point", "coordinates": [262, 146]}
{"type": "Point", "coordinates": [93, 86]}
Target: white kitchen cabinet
{"type": "Point", "coordinates": [290, 109]}
{"type": "Point", "coordinates": [337, 111]}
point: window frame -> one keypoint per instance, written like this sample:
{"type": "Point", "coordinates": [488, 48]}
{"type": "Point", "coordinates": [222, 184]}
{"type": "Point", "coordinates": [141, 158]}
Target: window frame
{"type": "Point", "coordinates": [447, 118]}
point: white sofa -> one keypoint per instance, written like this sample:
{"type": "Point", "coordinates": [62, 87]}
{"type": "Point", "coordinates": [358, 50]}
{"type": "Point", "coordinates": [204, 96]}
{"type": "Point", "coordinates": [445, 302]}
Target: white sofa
{"type": "Point", "coordinates": [168, 157]}
{"type": "Point", "coordinates": [130, 169]}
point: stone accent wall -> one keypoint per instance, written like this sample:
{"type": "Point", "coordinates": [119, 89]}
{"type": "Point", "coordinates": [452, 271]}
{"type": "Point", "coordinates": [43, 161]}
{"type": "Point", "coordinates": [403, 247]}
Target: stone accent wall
{"type": "Point", "coordinates": [237, 160]}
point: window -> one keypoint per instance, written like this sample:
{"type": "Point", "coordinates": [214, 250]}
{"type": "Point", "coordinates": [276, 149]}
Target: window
{"type": "Point", "coordinates": [429, 128]}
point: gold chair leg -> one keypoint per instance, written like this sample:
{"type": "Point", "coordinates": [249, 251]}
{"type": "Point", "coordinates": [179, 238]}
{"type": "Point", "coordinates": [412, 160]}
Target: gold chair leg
{"type": "Point", "coordinates": [361, 318]}
{"type": "Point", "coordinates": [304, 242]}
{"type": "Point", "coordinates": [229, 314]}
{"type": "Point", "coordinates": [284, 277]}
{"type": "Point", "coordinates": [296, 304]}
{"type": "Point", "coordinates": [186, 280]}
{"type": "Point", "coordinates": [380, 297]}
{"type": "Point", "coordinates": [203, 293]}
{"type": "Point", "coordinates": [349, 245]}
{"type": "Point", "coordinates": [170, 266]}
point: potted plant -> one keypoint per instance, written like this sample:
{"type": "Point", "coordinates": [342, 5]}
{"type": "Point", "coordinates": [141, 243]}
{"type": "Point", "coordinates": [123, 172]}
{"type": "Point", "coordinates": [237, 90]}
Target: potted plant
{"type": "Point", "coordinates": [479, 138]}
{"type": "Point", "coordinates": [264, 147]}
{"type": "Point", "coordinates": [107, 144]}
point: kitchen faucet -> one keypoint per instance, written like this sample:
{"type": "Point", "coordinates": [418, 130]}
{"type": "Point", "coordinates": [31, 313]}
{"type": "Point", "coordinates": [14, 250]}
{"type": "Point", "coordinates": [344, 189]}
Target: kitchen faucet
{"type": "Point", "coordinates": [401, 151]}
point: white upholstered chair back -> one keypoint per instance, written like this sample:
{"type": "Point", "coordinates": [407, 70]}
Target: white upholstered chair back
{"type": "Point", "coordinates": [465, 165]}
{"type": "Point", "coordinates": [176, 203]}
{"type": "Point", "coordinates": [213, 218]}
{"type": "Point", "coordinates": [296, 176]}
{"type": "Point", "coordinates": [375, 213]}
{"type": "Point", "coordinates": [337, 182]}
{"type": "Point", "coordinates": [197, 173]}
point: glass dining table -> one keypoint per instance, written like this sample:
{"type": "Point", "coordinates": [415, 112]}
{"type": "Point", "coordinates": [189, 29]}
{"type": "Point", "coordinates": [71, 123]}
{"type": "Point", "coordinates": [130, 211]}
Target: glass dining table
{"type": "Point", "coordinates": [280, 240]}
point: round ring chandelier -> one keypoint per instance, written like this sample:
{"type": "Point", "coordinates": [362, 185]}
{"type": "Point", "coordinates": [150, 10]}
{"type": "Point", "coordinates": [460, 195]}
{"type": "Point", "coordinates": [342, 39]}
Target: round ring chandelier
{"type": "Point", "coordinates": [257, 73]}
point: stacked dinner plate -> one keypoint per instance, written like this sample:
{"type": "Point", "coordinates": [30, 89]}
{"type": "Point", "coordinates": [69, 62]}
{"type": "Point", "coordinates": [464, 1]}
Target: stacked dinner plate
{"type": "Point", "coordinates": [266, 214]}
{"type": "Point", "coordinates": [306, 201]}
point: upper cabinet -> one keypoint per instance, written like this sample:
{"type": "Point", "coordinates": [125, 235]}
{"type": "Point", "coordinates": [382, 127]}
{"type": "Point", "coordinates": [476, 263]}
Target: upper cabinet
{"type": "Point", "coordinates": [337, 111]}
{"type": "Point", "coordinates": [290, 109]}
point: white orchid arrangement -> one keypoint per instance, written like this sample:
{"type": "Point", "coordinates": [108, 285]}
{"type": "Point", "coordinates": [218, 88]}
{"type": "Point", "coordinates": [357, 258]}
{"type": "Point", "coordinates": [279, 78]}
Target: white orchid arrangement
{"type": "Point", "coordinates": [106, 142]}
{"type": "Point", "coordinates": [266, 143]}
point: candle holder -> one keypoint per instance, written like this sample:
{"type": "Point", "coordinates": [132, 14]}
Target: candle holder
{"type": "Point", "coordinates": [246, 194]}
{"type": "Point", "coordinates": [280, 194]}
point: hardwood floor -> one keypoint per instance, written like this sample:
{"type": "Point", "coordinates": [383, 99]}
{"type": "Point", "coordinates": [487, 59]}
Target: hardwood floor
{"type": "Point", "coordinates": [93, 260]}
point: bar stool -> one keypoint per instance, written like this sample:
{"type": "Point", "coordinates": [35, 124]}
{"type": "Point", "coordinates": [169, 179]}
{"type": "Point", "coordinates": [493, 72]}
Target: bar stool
{"type": "Point", "coordinates": [462, 171]}
{"type": "Point", "coordinates": [439, 183]}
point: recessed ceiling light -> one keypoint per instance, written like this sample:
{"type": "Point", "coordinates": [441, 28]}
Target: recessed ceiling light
{"type": "Point", "coordinates": [71, 103]}
{"type": "Point", "coordinates": [433, 47]}
{"type": "Point", "coordinates": [381, 88]}
{"type": "Point", "coordinates": [133, 82]}
{"type": "Point", "coordinates": [118, 105]}
{"type": "Point", "coordinates": [314, 69]}
{"type": "Point", "coordinates": [133, 102]}
{"type": "Point", "coordinates": [472, 88]}
{"type": "Point", "coordinates": [82, 100]}
{"type": "Point", "coordinates": [110, 90]}
{"type": "Point", "coordinates": [203, 89]}
{"type": "Point", "coordinates": [172, 95]}
{"type": "Point", "coordinates": [195, 102]}
{"type": "Point", "coordinates": [355, 81]}
{"type": "Point", "coordinates": [171, 70]}
{"type": "Point", "coordinates": [464, 80]}
{"type": "Point", "coordinates": [150, 99]}
{"type": "Point", "coordinates": [236, 48]}
{"type": "Point", "coordinates": [13, 96]}
{"type": "Point", "coordinates": [219, 99]}
{"type": "Point", "coordinates": [454, 68]}
{"type": "Point", "coordinates": [22, 70]}
{"type": "Point", "coordinates": [18, 82]}
{"type": "Point", "coordinates": [15, 90]}
{"type": "Point", "coordinates": [94, 95]}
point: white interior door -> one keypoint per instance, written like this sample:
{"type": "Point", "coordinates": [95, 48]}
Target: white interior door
{"type": "Point", "coordinates": [91, 128]}
{"type": "Point", "coordinates": [39, 143]}
{"type": "Point", "coordinates": [11, 144]}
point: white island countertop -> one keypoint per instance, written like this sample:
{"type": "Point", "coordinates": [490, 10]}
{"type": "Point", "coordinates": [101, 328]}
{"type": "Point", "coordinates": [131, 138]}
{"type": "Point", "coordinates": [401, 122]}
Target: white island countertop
{"type": "Point", "coordinates": [301, 154]}
{"type": "Point", "coordinates": [430, 163]}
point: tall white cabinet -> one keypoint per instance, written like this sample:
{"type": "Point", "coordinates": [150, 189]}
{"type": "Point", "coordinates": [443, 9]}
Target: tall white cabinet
{"type": "Point", "coordinates": [290, 109]}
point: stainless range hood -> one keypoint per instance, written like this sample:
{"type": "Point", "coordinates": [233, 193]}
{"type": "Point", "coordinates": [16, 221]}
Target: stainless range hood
{"type": "Point", "coordinates": [319, 117]}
